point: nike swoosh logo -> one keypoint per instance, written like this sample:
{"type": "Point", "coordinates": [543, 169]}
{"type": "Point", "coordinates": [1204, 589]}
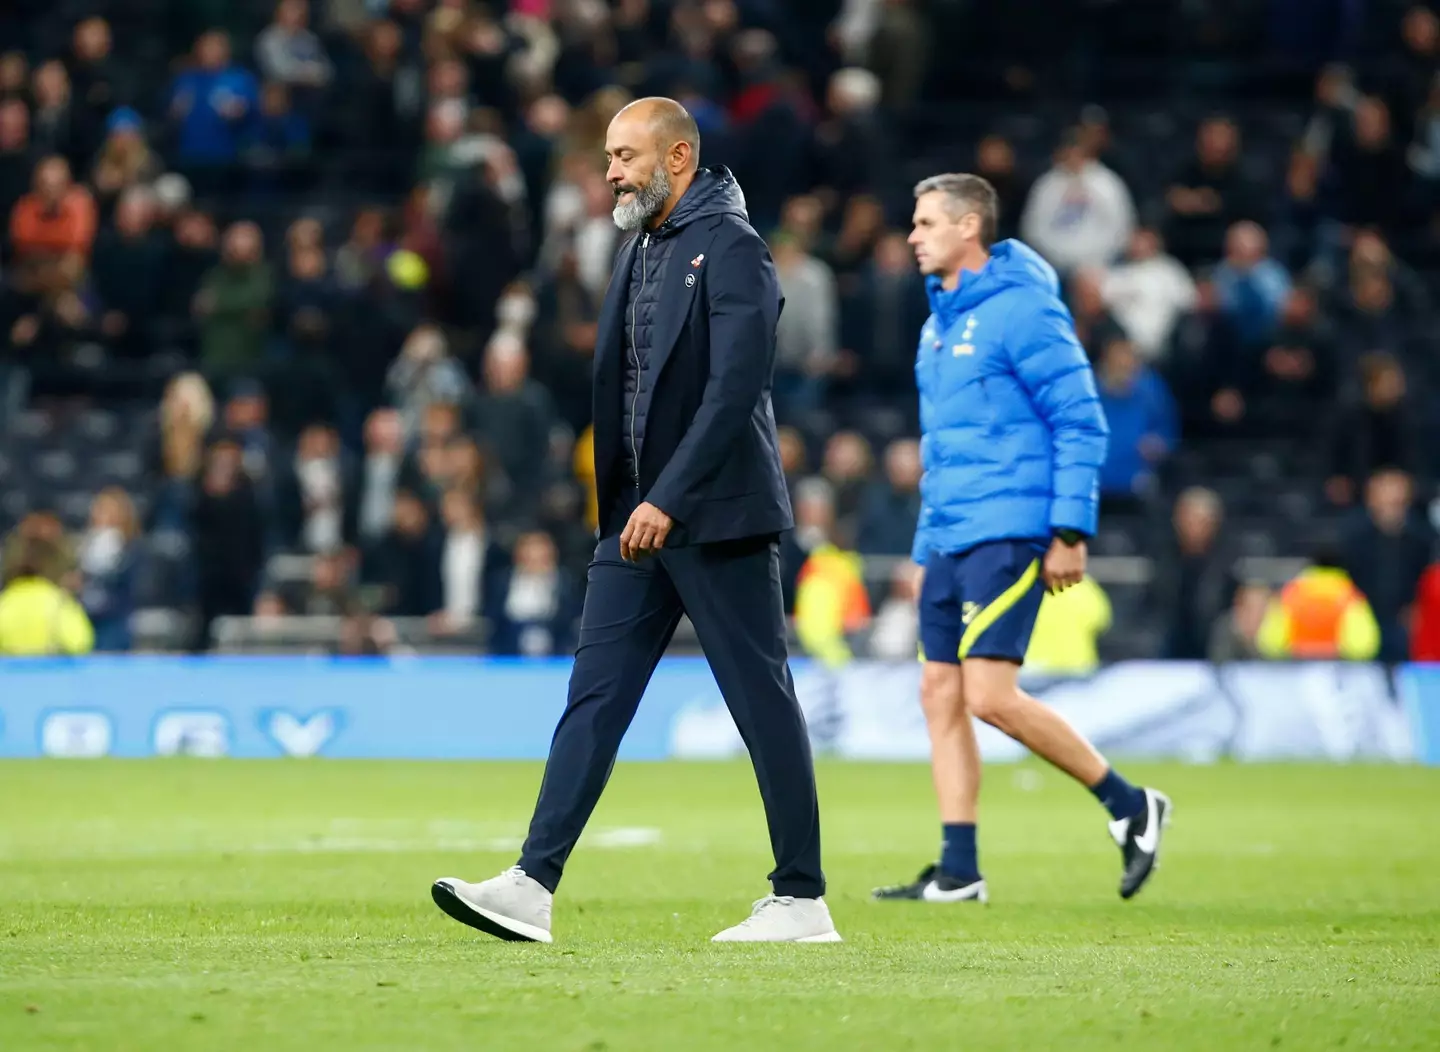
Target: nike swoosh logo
{"type": "Point", "coordinates": [1150, 839]}
{"type": "Point", "coordinates": [932, 892]}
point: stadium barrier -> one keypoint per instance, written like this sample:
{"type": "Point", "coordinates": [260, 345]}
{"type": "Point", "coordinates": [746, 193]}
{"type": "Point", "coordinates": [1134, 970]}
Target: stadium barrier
{"type": "Point", "coordinates": [497, 708]}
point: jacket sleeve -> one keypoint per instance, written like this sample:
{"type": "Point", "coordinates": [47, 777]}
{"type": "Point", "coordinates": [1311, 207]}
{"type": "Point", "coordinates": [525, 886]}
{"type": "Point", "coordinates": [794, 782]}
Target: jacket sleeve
{"type": "Point", "coordinates": [744, 309]}
{"type": "Point", "coordinates": [1051, 366]}
{"type": "Point", "coordinates": [1358, 636]}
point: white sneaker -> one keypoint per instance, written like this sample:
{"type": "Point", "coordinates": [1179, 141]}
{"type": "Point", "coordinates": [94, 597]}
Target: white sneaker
{"type": "Point", "coordinates": [784, 918]}
{"type": "Point", "coordinates": [511, 906]}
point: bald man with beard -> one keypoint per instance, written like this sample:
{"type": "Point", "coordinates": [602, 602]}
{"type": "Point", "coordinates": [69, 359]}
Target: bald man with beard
{"type": "Point", "coordinates": [692, 502]}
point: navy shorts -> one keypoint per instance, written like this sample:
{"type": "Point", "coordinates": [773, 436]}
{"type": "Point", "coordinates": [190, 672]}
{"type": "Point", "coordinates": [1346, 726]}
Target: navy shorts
{"type": "Point", "coordinates": [981, 602]}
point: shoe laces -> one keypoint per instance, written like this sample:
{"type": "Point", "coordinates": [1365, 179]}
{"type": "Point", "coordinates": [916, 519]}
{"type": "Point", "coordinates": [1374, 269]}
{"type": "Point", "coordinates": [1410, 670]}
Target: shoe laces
{"type": "Point", "coordinates": [515, 874]}
{"type": "Point", "coordinates": [759, 906]}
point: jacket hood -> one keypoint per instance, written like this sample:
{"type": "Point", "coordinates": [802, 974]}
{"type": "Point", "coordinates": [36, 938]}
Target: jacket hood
{"type": "Point", "coordinates": [712, 192]}
{"type": "Point", "coordinates": [1012, 264]}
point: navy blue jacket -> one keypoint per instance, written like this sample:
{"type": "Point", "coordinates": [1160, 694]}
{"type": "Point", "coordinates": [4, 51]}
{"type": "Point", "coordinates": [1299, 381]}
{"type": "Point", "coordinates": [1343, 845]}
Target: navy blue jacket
{"type": "Point", "coordinates": [703, 424]}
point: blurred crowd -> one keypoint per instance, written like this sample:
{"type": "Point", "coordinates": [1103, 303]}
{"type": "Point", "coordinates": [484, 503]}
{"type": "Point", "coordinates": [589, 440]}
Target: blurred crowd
{"type": "Point", "coordinates": [354, 252]}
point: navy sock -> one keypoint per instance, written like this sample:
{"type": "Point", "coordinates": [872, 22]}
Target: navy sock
{"type": "Point", "coordinates": [957, 851]}
{"type": "Point", "coordinates": [1120, 798]}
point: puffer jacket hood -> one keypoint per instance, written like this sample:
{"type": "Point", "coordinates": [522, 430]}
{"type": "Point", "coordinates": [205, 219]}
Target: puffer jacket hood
{"type": "Point", "coordinates": [713, 192]}
{"type": "Point", "coordinates": [1012, 264]}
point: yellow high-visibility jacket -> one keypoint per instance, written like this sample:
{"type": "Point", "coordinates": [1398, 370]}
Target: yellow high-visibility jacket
{"type": "Point", "coordinates": [1067, 628]}
{"type": "Point", "coordinates": [39, 618]}
{"type": "Point", "coordinates": [830, 601]}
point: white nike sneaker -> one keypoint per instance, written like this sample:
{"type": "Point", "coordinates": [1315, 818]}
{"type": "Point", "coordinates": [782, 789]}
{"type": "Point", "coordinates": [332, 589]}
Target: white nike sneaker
{"type": "Point", "coordinates": [1139, 841]}
{"type": "Point", "coordinates": [512, 906]}
{"type": "Point", "coordinates": [784, 918]}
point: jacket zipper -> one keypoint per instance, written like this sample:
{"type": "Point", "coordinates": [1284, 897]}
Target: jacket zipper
{"type": "Point", "coordinates": [635, 353]}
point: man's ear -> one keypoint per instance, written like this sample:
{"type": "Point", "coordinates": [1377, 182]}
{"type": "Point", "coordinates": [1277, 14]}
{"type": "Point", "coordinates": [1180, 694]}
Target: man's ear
{"type": "Point", "coordinates": [679, 157]}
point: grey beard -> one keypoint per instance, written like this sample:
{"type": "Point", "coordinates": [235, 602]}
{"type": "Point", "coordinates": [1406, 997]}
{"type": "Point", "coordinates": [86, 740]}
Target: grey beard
{"type": "Point", "coordinates": [646, 203]}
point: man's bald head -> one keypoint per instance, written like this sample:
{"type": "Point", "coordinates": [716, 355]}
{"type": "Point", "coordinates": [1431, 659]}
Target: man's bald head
{"type": "Point", "coordinates": [652, 149]}
{"type": "Point", "coordinates": [669, 122]}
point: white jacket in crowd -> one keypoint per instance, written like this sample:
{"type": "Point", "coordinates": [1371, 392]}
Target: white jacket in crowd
{"type": "Point", "coordinates": [1078, 217]}
{"type": "Point", "coordinates": [1147, 297]}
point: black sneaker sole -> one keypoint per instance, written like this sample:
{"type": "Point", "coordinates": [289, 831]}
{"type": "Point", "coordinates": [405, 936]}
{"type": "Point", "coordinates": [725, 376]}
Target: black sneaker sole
{"type": "Point", "coordinates": [456, 908]}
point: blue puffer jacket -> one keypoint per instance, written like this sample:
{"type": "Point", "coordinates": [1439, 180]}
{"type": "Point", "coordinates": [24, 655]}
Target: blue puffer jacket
{"type": "Point", "coordinates": [1014, 435]}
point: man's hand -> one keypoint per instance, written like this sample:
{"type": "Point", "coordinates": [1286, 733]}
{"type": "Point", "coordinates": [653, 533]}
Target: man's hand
{"type": "Point", "coordinates": [1064, 565]}
{"type": "Point", "coordinates": [645, 533]}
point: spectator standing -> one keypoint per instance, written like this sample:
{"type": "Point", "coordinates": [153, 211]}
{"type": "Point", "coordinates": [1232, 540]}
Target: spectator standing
{"type": "Point", "coordinates": [1296, 374]}
{"type": "Point", "coordinates": [246, 420]}
{"type": "Point", "coordinates": [995, 162]}
{"type": "Point", "coordinates": [128, 275]}
{"type": "Point", "coordinates": [53, 224]}
{"type": "Point", "coordinates": [536, 605]}
{"type": "Point", "coordinates": [423, 375]}
{"type": "Point", "coordinates": [380, 475]}
{"type": "Point", "coordinates": [229, 539]}
{"type": "Point", "coordinates": [516, 418]}
{"type": "Point", "coordinates": [321, 494]}
{"type": "Point", "coordinates": [101, 84]}
{"type": "Point", "coordinates": [109, 559]}
{"type": "Point", "coordinates": [124, 161]}
{"type": "Point", "coordinates": [1193, 583]}
{"type": "Point", "coordinates": [472, 565]}
{"type": "Point", "coordinates": [891, 507]}
{"type": "Point", "coordinates": [805, 340]}
{"type": "Point", "coordinates": [1377, 431]}
{"type": "Point", "coordinates": [566, 326]}
{"type": "Point", "coordinates": [407, 561]}
{"type": "Point", "coordinates": [1369, 173]}
{"type": "Point", "coordinates": [17, 156]}
{"type": "Point", "coordinates": [1079, 213]}
{"type": "Point", "coordinates": [1252, 287]}
{"type": "Point", "coordinates": [847, 465]}
{"type": "Point", "coordinates": [233, 306]}
{"type": "Point", "coordinates": [190, 257]}
{"type": "Point", "coordinates": [1210, 194]}
{"type": "Point", "coordinates": [1148, 293]}
{"type": "Point", "coordinates": [882, 308]}
{"type": "Point", "coordinates": [1143, 424]}
{"type": "Point", "coordinates": [1385, 553]}
{"type": "Point", "coordinates": [275, 147]}
{"type": "Point", "coordinates": [52, 117]}
{"type": "Point", "coordinates": [187, 410]}
{"type": "Point", "coordinates": [212, 105]}
{"type": "Point", "coordinates": [851, 143]}
{"type": "Point", "coordinates": [288, 52]}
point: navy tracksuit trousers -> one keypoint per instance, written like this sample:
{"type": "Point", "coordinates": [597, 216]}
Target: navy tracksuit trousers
{"type": "Point", "coordinates": [731, 593]}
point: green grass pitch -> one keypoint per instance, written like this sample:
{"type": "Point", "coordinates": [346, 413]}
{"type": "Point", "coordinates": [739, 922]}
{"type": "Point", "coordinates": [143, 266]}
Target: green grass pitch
{"type": "Point", "coordinates": [187, 904]}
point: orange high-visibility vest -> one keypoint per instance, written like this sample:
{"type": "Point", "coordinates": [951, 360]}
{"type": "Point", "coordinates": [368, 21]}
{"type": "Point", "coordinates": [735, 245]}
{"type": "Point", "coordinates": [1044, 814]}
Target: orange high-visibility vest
{"type": "Point", "coordinates": [1316, 603]}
